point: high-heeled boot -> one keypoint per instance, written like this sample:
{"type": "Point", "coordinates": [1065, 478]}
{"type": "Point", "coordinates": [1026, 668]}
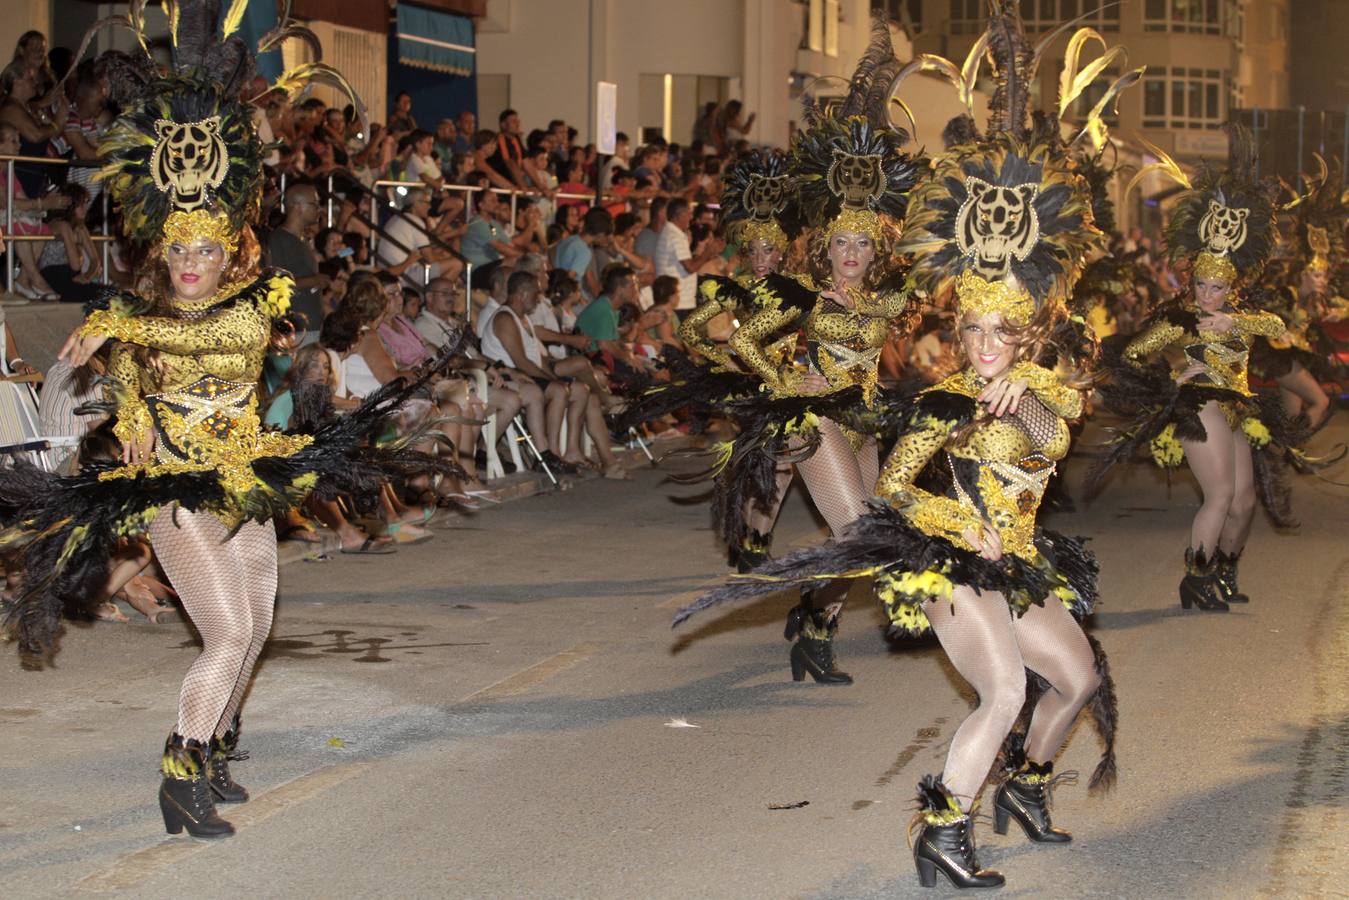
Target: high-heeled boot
{"type": "Point", "coordinates": [1025, 797]}
{"type": "Point", "coordinates": [1199, 587]}
{"type": "Point", "coordinates": [185, 794]}
{"type": "Point", "coordinates": [753, 551]}
{"type": "Point", "coordinates": [224, 748]}
{"type": "Point", "coordinates": [945, 842]}
{"type": "Point", "coordinates": [1225, 573]}
{"type": "Point", "coordinates": [813, 652]}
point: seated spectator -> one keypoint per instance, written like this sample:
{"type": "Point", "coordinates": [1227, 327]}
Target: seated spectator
{"type": "Point", "coordinates": [305, 398]}
{"type": "Point", "coordinates": [65, 390]}
{"type": "Point", "coordinates": [412, 303]}
{"type": "Point", "coordinates": [568, 220]}
{"type": "Point", "coordinates": [28, 213]}
{"type": "Point", "coordinates": [71, 263]}
{"type": "Point", "coordinates": [656, 326]}
{"type": "Point", "coordinates": [407, 241]}
{"type": "Point", "coordinates": [508, 152]}
{"type": "Point", "coordinates": [331, 245]}
{"type": "Point", "coordinates": [576, 254]}
{"type": "Point", "coordinates": [485, 242]}
{"type": "Point", "coordinates": [421, 164]}
{"type": "Point", "coordinates": [467, 124]}
{"type": "Point", "coordinates": [647, 239]}
{"type": "Point", "coordinates": [401, 120]}
{"type": "Point", "coordinates": [621, 251]}
{"type": "Point", "coordinates": [528, 226]}
{"type": "Point", "coordinates": [574, 191]}
{"type": "Point", "coordinates": [599, 322]}
{"type": "Point", "coordinates": [443, 148]}
{"type": "Point", "coordinates": [288, 247]}
{"type": "Point", "coordinates": [510, 339]}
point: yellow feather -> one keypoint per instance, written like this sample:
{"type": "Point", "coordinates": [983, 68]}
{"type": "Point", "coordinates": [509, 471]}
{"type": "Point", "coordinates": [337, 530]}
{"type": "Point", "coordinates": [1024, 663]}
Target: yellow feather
{"type": "Point", "coordinates": [1165, 164]}
{"type": "Point", "coordinates": [234, 17]}
{"type": "Point", "coordinates": [173, 12]}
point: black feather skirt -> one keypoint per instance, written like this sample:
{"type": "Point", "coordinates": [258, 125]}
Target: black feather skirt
{"type": "Point", "coordinates": [68, 527]}
{"type": "Point", "coordinates": [776, 431]}
{"type": "Point", "coordinates": [690, 385]}
{"type": "Point", "coordinates": [911, 568]}
{"type": "Point", "coordinates": [1159, 414]}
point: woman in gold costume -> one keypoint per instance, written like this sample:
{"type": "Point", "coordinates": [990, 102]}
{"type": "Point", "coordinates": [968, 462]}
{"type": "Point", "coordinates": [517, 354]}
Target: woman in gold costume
{"type": "Point", "coordinates": [1205, 413]}
{"type": "Point", "coordinates": [198, 474]}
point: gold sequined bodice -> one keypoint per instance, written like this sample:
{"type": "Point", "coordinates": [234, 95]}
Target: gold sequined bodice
{"type": "Point", "coordinates": [192, 376]}
{"type": "Point", "coordinates": [1223, 355]}
{"type": "Point", "coordinates": [999, 471]}
{"type": "Point", "coordinates": [845, 344]}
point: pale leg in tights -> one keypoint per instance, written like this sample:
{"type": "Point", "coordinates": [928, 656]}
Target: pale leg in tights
{"type": "Point", "coordinates": [228, 589]}
{"type": "Point", "coordinates": [991, 650]}
{"type": "Point", "coordinates": [835, 479]}
{"type": "Point", "coordinates": [1222, 466]}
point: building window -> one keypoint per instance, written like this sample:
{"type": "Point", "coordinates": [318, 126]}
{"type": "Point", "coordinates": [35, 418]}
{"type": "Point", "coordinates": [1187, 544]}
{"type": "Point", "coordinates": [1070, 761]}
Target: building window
{"type": "Point", "coordinates": [967, 17]}
{"type": "Point", "coordinates": [1189, 16]}
{"type": "Point", "coordinates": [1184, 98]}
{"type": "Point", "coordinates": [1043, 15]}
{"type": "Point", "coordinates": [905, 12]}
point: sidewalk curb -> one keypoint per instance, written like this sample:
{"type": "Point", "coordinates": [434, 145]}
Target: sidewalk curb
{"type": "Point", "coordinates": [510, 488]}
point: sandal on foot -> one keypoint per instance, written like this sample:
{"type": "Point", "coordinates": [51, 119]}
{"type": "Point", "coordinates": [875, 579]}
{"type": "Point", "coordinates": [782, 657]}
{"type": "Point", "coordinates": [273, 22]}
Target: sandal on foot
{"type": "Point", "coordinates": [372, 546]}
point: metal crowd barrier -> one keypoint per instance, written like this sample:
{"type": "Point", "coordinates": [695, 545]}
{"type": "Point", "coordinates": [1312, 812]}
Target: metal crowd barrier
{"type": "Point", "coordinates": [103, 238]}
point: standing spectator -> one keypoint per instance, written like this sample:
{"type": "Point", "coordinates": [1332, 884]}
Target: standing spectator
{"type": "Point", "coordinates": [485, 243]}
{"type": "Point", "coordinates": [727, 127]}
{"type": "Point", "coordinates": [508, 154]}
{"type": "Point", "coordinates": [402, 121]}
{"type": "Point", "coordinates": [649, 237]}
{"type": "Point", "coordinates": [673, 256]}
{"type": "Point", "coordinates": [446, 137]}
{"type": "Point", "coordinates": [467, 126]}
{"type": "Point", "coordinates": [702, 126]}
{"type": "Point", "coordinates": [288, 247]}
{"type": "Point", "coordinates": [620, 159]}
{"type": "Point", "coordinates": [484, 146]}
{"type": "Point", "coordinates": [574, 191]}
{"type": "Point", "coordinates": [576, 255]}
{"type": "Point", "coordinates": [19, 87]}
{"type": "Point", "coordinates": [88, 117]}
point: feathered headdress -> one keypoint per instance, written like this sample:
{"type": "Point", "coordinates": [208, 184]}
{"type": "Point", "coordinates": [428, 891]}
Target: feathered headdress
{"type": "Point", "coordinates": [848, 168]}
{"type": "Point", "coordinates": [184, 160]}
{"type": "Point", "coordinates": [757, 202]}
{"type": "Point", "coordinates": [1319, 215]}
{"type": "Point", "coordinates": [1009, 225]}
{"type": "Point", "coordinates": [1225, 221]}
{"type": "Point", "coordinates": [1005, 217]}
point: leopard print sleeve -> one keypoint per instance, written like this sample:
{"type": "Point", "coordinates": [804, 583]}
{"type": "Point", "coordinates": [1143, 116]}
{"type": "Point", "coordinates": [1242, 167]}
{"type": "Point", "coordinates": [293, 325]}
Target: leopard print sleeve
{"type": "Point", "coordinates": [1265, 324]}
{"type": "Point", "coordinates": [238, 329]}
{"type": "Point", "coordinates": [748, 343]}
{"type": "Point", "coordinates": [1059, 398]}
{"type": "Point", "coordinates": [124, 390]}
{"type": "Point", "coordinates": [1157, 337]}
{"type": "Point", "coordinates": [693, 332]}
{"type": "Point", "coordinates": [928, 512]}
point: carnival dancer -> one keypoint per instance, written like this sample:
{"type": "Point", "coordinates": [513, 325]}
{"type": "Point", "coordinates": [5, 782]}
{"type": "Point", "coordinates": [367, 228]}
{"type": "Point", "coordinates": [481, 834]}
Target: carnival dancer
{"type": "Point", "coordinates": [1206, 414]}
{"type": "Point", "coordinates": [1296, 290]}
{"type": "Point", "coordinates": [199, 476]}
{"type": "Point", "coordinates": [852, 181]}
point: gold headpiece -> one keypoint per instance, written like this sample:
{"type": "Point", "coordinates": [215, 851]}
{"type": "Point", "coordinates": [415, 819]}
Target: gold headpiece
{"type": "Point", "coordinates": [979, 296]}
{"type": "Point", "coordinates": [185, 227]}
{"type": "Point", "coordinates": [1213, 265]}
{"type": "Point", "coordinates": [770, 232]}
{"type": "Point", "coordinates": [1318, 241]}
{"type": "Point", "coordinates": [862, 221]}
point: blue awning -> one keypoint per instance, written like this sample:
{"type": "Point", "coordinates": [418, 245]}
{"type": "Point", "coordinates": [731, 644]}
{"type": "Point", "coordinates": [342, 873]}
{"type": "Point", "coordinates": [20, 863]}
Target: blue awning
{"type": "Point", "coordinates": [428, 39]}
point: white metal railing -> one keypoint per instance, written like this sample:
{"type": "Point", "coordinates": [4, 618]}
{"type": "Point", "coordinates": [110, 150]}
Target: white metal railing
{"type": "Point", "coordinates": [103, 238]}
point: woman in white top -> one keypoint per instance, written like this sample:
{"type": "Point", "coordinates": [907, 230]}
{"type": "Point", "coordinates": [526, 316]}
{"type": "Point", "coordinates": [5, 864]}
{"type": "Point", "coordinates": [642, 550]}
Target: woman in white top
{"type": "Point", "coordinates": [509, 338]}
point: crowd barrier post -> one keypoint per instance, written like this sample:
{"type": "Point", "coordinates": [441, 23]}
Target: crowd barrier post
{"type": "Point", "coordinates": [9, 226]}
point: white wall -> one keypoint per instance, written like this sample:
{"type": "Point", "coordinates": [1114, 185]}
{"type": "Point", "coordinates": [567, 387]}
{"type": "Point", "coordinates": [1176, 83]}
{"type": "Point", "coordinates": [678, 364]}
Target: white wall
{"type": "Point", "coordinates": [544, 53]}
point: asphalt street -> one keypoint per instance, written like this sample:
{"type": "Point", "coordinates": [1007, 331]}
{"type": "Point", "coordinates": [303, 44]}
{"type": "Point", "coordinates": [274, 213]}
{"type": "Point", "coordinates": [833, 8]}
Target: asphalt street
{"type": "Point", "coordinates": [505, 712]}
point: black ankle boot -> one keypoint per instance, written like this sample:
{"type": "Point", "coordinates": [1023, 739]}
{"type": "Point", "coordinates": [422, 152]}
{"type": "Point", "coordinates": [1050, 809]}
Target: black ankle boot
{"type": "Point", "coordinates": [1199, 587]}
{"type": "Point", "coordinates": [1225, 575]}
{"type": "Point", "coordinates": [945, 843]}
{"type": "Point", "coordinates": [1025, 797]}
{"type": "Point", "coordinates": [813, 652]}
{"type": "Point", "coordinates": [223, 749]}
{"type": "Point", "coordinates": [185, 794]}
{"type": "Point", "coordinates": [753, 552]}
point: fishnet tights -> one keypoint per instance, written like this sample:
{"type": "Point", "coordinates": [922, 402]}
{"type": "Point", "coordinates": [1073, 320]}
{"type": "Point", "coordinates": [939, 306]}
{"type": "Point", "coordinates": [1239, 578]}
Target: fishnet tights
{"type": "Point", "coordinates": [1035, 420]}
{"type": "Point", "coordinates": [1222, 466]}
{"type": "Point", "coordinates": [228, 589]}
{"type": "Point", "coordinates": [840, 481]}
{"type": "Point", "coordinates": [991, 649]}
